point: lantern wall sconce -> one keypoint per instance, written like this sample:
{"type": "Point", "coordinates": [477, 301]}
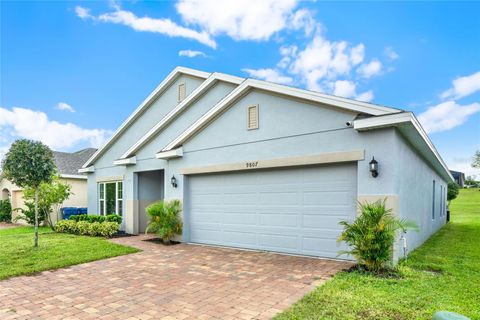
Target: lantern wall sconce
{"type": "Point", "coordinates": [374, 167]}
{"type": "Point", "coordinates": [173, 181]}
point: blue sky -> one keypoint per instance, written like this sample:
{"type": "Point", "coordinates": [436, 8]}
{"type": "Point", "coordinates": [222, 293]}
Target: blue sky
{"type": "Point", "coordinates": [72, 71]}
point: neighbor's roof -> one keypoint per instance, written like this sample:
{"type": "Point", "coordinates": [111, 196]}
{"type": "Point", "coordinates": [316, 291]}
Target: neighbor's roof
{"type": "Point", "coordinates": [69, 163]}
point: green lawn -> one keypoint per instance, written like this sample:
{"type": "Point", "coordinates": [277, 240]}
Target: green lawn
{"type": "Point", "coordinates": [453, 253]}
{"type": "Point", "coordinates": [56, 250]}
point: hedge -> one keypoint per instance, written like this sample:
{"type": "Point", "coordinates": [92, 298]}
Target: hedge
{"type": "Point", "coordinates": [96, 218]}
{"type": "Point", "coordinates": [104, 229]}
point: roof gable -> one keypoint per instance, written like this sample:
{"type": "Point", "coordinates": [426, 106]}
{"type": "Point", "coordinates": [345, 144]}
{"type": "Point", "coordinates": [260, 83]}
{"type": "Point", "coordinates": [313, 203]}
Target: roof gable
{"type": "Point", "coordinates": [143, 106]}
{"type": "Point", "coordinates": [241, 90]}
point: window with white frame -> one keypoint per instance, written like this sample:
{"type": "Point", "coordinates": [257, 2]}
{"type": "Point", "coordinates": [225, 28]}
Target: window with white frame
{"type": "Point", "coordinates": [110, 197]}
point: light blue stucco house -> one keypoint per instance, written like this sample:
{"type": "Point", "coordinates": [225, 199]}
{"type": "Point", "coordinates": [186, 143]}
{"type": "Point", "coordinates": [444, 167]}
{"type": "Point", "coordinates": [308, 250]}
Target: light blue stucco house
{"type": "Point", "coordinates": [264, 166]}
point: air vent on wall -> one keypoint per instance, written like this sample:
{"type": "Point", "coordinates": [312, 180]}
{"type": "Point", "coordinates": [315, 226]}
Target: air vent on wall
{"type": "Point", "coordinates": [252, 117]}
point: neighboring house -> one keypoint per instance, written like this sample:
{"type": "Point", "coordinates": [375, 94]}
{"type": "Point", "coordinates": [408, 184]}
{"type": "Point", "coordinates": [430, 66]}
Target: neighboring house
{"type": "Point", "coordinates": [459, 178]}
{"type": "Point", "coordinates": [68, 165]}
{"type": "Point", "coordinates": [266, 166]}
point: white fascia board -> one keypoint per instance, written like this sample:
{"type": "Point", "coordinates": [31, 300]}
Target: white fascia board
{"type": "Point", "coordinates": [73, 176]}
{"type": "Point", "coordinates": [192, 97]}
{"type": "Point", "coordinates": [158, 90]}
{"type": "Point", "coordinates": [210, 114]}
{"type": "Point", "coordinates": [87, 170]}
{"type": "Point", "coordinates": [125, 162]}
{"type": "Point", "coordinates": [175, 153]}
{"type": "Point", "coordinates": [398, 119]}
{"type": "Point", "coordinates": [347, 104]}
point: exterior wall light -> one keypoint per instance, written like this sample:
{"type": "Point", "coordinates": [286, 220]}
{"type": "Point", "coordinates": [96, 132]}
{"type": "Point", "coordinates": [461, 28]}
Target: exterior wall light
{"type": "Point", "coordinates": [173, 181]}
{"type": "Point", "coordinates": [374, 167]}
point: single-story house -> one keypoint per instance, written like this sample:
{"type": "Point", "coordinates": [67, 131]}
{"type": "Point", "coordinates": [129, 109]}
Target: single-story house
{"type": "Point", "coordinates": [68, 165]}
{"type": "Point", "coordinates": [459, 178]}
{"type": "Point", "coordinates": [265, 166]}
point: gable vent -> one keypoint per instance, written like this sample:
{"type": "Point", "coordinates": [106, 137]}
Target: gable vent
{"type": "Point", "coordinates": [181, 92]}
{"type": "Point", "coordinates": [252, 117]}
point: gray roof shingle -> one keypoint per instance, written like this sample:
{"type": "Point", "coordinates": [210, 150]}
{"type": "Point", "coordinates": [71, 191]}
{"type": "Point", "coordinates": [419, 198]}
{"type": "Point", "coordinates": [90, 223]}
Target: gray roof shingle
{"type": "Point", "coordinates": [69, 163]}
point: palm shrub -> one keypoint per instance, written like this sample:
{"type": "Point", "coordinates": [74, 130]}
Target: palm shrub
{"type": "Point", "coordinates": [372, 234]}
{"type": "Point", "coordinates": [165, 219]}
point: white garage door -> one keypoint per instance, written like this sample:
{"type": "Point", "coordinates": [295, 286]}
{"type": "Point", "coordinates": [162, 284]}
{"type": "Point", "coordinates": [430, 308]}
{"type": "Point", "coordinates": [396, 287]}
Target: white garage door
{"type": "Point", "coordinates": [289, 210]}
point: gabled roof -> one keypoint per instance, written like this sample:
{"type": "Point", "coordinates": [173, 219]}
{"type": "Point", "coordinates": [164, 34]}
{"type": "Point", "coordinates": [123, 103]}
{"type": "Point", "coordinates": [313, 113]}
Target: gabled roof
{"type": "Point", "coordinates": [198, 92]}
{"type": "Point", "coordinates": [241, 90]}
{"type": "Point", "coordinates": [69, 163]}
{"type": "Point", "coordinates": [147, 102]}
{"type": "Point", "coordinates": [410, 127]}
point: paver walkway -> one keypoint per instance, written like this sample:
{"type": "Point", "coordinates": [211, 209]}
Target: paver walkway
{"type": "Point", "coordinates": [167, 282]}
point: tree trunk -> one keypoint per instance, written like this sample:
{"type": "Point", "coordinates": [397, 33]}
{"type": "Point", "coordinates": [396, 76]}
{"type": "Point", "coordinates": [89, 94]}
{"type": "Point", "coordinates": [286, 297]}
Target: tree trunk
{"type": "Point", "coordinates": [36, 219]}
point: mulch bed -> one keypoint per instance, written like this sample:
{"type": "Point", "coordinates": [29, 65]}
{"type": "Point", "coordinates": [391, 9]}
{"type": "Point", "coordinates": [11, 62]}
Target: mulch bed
{"type": "Point", "coordinates": [158, 240]}
{"type": "Point", "coordinates": [122, 234]}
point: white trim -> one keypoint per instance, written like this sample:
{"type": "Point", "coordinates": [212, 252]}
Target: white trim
{"type": "Point", "coordinates": [125, 162]}
{"type": "Point", "coordinates": [158, 90]}
{"type": "Point", "coordinates": [207, 84]}
{"type": "Point", "coordinates": [256, 164]}
{"type": "Point", "coordinates": [407, 118]}
{"type": "Point", "coordinates": [248, 84]}
{"type": "Point", "coordinates": [175, 153]}
{"type": "Point", "coordinates": [73, 176]}
{"type": "Point", "coordinates": [87, 170]}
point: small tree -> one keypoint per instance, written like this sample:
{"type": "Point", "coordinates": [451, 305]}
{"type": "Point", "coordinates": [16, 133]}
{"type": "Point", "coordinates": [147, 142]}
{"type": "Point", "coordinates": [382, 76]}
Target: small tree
{"type": "Point", "coordinates": [165, 220]}
{"type": "Point", "coordinates": [28, 164]}
{"type": "Point", "coordinates": [452, 191]}
{"type": "Point", "coordinates": [51, 195]}
{"type": "Point", "coordinates": [476, 160]}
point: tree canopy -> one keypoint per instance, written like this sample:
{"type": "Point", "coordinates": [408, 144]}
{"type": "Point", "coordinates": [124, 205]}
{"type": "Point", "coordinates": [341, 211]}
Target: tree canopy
{"type": "Point", "coordinates": [28, 163]}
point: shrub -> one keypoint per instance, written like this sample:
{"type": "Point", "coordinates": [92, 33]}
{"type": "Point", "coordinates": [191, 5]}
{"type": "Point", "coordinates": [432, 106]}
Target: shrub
{"type": "Point", "coordinates": [452, 191]}
{"type": "Point", "coordinates": [104, 229]}
{"type": "Point", "coordinates": [114, 218]}
{"type": "Point", "coordinates": [90, 218]}
{"type": "Point", "coordinates": [372, 234]}
{"type": "Point", "coordinates": [165, 220]}
{"type": "Point", "coordinates": [5, 211]}
{"type": "Point", "coordinates": [28, 213]}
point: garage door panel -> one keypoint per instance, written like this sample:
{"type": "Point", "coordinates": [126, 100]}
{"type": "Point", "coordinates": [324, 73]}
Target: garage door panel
{"type": "Point", "coordinates": [279, 198]}
{"type": "Point", "coordinates": [322, 221]}
{"type": "Point", "coordinates": [286, 210]}
{"type": "Point", "coordinates": [279, 219]}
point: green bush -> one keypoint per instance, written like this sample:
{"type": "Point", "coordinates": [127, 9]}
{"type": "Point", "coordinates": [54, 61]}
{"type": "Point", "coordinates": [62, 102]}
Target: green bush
{"type": "Point", "coordinates": [114, 218]}
{"type": "Point", "coordinates": [28, 213]}
{"type": "Point", "coordinates": [164, 219]}
{"type": "Point", "coordinates": [452, 191]}
{"type": "Point", "coordinates": [5, 211]}
{"type": "Point", "coordinates": [372, 234]}
{"type": "Point", "coordinates": [88, 217]}
{"type": "Point", "coordinates": [104, 229]}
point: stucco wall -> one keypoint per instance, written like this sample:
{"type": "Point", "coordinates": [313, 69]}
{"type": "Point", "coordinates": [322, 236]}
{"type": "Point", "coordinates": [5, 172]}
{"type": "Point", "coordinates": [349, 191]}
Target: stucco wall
{"type": "Point", "coordinates": [414, 186]}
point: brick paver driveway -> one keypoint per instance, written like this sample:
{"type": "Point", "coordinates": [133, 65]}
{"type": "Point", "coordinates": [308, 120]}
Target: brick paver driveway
{"type": "Point", "coordinates": [176, 282]}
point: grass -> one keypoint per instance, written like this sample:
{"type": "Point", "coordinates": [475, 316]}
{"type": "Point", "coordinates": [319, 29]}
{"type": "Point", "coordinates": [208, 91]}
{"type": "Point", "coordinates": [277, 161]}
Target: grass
{"type": "Point", "coordinates": [443, 274]}
{"type": "Point", "coordinates": [56, 250]}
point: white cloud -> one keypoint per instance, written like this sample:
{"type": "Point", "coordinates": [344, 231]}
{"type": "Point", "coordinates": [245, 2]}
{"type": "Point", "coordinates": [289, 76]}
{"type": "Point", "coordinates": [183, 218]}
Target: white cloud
{"type": "Point", "coordinates": [366, 96]}
{"type": "Point", "coordinates": [31, 124]}
{"type": "Point", "coordinates": [191, 53]}
{"type": "Point", "coordinates": [368, 70]}
{"type": "Point", "coordinates": [357, 54]}
{"type": "Point", "coordinates": [268, 75]}
{"type": "Point", "coordinates": [463, 86]}
{"type": "Point", "coordinates": [240, 20]}
{"type": "Point", "coordinates": [390, 53]}
{"type": "Point", "coordinates": [446, 115]}
{"type": "Point", "coordinates": [303, 19]}
{"type": "Point", "coordinates": [146, 24]}
{"type": "Point", "coordinates": [82, 13]}
{"type": "Point", "coordinates": [65, 107]}
{"type": "Point", "coordinates": [344, 88]}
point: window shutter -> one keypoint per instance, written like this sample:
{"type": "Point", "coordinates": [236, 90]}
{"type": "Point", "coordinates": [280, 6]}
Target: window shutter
{"type": "Point", "coordinates": [252, 117]}
{"type": "Point", "coordinates": [181, 92]}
